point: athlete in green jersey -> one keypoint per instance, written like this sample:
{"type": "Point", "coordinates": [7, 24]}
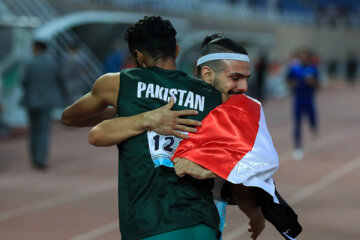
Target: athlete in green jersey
{"type": "Point", "coordinates": [153, 201]}
{"type": "Point", "coordinates": [230, 77]}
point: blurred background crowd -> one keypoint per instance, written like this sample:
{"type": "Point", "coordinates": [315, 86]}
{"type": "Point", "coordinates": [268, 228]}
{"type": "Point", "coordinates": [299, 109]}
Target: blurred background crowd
{"type": "Point", "coordinates": [85, 37]}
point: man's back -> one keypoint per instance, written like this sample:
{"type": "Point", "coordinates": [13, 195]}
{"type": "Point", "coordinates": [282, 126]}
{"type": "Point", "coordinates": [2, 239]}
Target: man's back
{"type": "Point", "coordinates": [42, 83]}
{"type": "Point", "coordinates": [152, 199]}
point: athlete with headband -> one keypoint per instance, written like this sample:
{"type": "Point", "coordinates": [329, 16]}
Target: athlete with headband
{"type": "Point", "coordinates": [226, 66]}
{"type": "Point", "coordinates": [235, 144]}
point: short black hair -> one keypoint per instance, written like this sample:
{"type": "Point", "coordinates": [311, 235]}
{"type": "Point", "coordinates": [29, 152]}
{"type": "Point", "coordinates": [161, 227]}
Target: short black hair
{"type": "Point", "coordinates": [216, 43]}
{"type": "Point", "coordinates": [152, 35]}
{"type": "Point", "coordinates": [210, 38]}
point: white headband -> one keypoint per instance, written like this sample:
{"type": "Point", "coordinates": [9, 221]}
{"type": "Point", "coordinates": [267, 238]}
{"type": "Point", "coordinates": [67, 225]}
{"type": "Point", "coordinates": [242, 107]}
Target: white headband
{"type": "Point", "coordinates": [223, 56]}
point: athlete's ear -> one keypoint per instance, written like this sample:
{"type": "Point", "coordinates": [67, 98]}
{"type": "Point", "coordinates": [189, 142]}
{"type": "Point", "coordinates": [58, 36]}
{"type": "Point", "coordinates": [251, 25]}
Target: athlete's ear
{"type": "Point", "coordinates": [208, 75]}
{"type": "Point", "coordinates": [177, 51]}
{"type": "Point", "coordinates": [139, 58]}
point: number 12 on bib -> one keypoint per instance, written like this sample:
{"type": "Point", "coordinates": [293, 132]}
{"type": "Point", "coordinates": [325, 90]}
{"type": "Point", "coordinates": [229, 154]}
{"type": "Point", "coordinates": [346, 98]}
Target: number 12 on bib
{"type": "Point", "coordinates": [162, 148]}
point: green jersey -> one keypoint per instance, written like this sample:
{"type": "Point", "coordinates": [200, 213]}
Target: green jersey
{"type": "Point", "coordinates": [152, 199]}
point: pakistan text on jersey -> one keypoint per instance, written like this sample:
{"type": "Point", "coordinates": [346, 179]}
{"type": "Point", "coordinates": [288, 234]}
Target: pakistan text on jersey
{"type": "Point", "coordinates": [181, 97]}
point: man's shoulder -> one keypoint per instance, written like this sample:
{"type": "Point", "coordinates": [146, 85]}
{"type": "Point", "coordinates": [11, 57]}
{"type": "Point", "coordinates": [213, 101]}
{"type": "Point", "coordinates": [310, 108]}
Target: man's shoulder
{"type": "Point", "coordinates": [107, 77]}
{"type": "Point", "coordinates": [107, 83]}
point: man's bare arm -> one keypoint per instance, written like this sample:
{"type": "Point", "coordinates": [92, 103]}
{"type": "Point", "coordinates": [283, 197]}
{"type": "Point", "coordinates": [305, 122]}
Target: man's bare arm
{"type": "Point", "coordinates": [161, 120]}
{"type": "Point", "coordinates": [92, 107]}
{"type": "Point", "coordinates": [246, 201]}
{"type": "Point", "coordinates": [108, 113]}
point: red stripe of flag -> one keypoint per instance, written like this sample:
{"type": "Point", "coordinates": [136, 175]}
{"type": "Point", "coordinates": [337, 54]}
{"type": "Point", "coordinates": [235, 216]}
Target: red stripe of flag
{"type": "Point", "coordinates": [227, 134]}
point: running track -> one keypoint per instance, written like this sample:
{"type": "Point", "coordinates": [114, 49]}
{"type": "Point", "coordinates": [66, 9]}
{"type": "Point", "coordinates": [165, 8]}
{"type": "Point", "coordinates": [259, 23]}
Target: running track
{"type": "Point", "coordinates": [75, 199]}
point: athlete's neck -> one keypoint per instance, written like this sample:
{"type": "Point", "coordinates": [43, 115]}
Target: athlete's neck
{"type": "Point", "coordinates": [166, 63]}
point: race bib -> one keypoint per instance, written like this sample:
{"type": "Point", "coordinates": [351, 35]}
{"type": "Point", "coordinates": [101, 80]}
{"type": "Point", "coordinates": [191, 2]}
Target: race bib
{"type": "Point", "coordinates": [162, 148]}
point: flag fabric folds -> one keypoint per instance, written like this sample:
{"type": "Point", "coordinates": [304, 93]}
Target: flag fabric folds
{"type": "Point", "coordinates": [234, 143]}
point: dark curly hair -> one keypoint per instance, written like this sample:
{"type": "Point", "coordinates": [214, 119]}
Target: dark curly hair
{"type": "Point", "coordinates": [152, 35]}
{"type": "Point", "coordinates": [216, 43]}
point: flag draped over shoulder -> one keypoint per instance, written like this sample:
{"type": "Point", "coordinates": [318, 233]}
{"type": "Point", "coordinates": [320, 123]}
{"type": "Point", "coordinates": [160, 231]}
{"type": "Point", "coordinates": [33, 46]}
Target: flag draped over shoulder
{"type": "Point", "coordinates": [234, 143]}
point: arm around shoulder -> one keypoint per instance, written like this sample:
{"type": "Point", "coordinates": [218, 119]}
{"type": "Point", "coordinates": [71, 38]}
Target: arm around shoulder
{"type": "Point", "coordinates": [117, 130]}
{"type": "Point", "coordinates": [161, 120]}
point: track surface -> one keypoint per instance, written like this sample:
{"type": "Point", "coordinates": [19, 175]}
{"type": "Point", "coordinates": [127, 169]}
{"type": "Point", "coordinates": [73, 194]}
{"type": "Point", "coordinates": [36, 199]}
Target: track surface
{"type": "Point", "coordinates": [76, 198]}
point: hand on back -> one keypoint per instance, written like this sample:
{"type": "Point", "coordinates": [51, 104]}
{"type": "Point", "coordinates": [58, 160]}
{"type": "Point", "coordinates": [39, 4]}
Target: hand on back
{"type": "Point", "coordinates": [165, 121]}
{"type": "Point", "coordinates": [184, 166]}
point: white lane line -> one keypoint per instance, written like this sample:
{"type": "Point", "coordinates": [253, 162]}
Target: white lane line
{"type": "Point", "coordinates": [57, 200]}
{"type": "Point", "coordinates": [97, 232]}
{"type": "Point", "coordinates": [325, 181]}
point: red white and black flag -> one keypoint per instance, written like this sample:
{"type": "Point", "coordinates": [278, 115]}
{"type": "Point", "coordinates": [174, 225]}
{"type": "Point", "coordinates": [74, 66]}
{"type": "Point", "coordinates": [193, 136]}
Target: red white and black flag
{"type": "Point", "coordinates": [234, 143]}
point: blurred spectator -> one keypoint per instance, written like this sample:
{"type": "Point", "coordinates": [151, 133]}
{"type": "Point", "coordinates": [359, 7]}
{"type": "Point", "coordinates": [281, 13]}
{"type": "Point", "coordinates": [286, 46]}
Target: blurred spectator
{"type": "Point", "coordinates": [261, 67]}
{"type": "Point", "coordinates": [74, 74]}
{"type": "Point", "coordinates": [43, 90]}
{"type": "Point", "coordinates": [303, 79]}
{"type": "Point", "coordinates": [351, 67]}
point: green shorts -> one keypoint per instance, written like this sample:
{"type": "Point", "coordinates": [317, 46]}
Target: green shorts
{"type": "Point", "coordinates": [197, 232]}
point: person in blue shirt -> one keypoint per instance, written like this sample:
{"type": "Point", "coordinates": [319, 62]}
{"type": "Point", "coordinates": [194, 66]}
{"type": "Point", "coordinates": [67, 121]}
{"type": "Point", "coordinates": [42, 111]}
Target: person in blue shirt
{"type": "Point", "coordinates": [303, 79]}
